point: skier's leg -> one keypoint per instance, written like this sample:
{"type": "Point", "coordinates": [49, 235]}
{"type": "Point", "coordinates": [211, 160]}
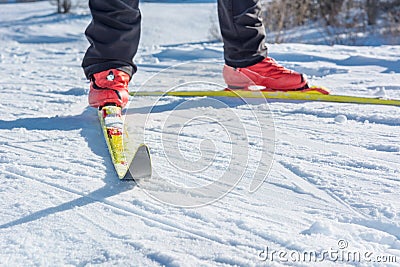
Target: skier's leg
{"type": "Point", "coordinates": [245, 51]}
{"type": "Point", "coordinates": [242, 31]}
{"type": "Point", "coordinates": [113, 34]}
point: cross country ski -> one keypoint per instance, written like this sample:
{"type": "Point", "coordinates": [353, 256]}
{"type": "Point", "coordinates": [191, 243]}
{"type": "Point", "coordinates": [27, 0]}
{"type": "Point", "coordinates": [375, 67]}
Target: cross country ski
{"type": "Point", "coordinates": [319, 94]}
{"type": "Point", "coordinates": [129, 162]}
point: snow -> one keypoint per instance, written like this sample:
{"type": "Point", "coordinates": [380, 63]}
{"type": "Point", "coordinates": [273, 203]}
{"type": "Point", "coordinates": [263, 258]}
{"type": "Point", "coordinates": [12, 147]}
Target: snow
{"type": "Point", "coordinates": [341, 119]}
{"type": "Point", "coordinates": [322, 186]}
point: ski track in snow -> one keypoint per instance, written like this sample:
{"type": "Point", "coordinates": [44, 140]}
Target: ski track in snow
{"type": "Point", "coordinates": [62, 203]}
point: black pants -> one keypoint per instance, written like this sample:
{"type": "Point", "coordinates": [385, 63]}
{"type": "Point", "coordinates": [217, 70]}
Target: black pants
{"type": "Point", "coordinates": [114, 34]}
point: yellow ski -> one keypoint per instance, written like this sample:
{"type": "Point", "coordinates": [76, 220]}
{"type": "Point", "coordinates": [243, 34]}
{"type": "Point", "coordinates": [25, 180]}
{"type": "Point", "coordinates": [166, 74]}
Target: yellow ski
{"type": "Point", "coordinates": [312, 94]}
{"type": "Point", "coordinates": [129, 162]}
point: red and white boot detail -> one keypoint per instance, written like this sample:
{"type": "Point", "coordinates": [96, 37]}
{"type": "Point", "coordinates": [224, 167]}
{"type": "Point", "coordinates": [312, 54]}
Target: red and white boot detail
{"type": "Point", "coordinates": [109, 87]}
{"type": "Point", "coordinates": [265, 75]}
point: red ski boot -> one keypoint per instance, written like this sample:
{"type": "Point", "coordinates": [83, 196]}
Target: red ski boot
{"type": "Point", "coordinates": [265, 75]}
{"type": "Point", "coordinates": [109, 87]}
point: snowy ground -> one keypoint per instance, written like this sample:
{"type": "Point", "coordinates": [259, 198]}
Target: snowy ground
{"type": "Point", "coordinates": [332, 194]}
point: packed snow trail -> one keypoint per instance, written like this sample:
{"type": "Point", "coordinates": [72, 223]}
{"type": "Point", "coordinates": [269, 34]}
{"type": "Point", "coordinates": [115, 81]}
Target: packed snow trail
{"type": "Point", "coordinates": [333, 184]}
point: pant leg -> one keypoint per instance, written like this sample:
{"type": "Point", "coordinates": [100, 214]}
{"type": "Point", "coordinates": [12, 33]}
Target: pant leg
{"type": "Point", "coordinates": [242, 31]}
{"type": "Point", "coordinates": [113, 35]}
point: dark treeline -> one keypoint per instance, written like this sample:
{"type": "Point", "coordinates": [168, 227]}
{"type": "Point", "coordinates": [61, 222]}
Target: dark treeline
{"type": "Point", "coordinates": [282, 15]}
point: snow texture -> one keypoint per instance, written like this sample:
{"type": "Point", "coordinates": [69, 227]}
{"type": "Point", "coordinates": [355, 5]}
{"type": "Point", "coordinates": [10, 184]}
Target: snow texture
{"type": "Point", "coordinates": [334, 184]}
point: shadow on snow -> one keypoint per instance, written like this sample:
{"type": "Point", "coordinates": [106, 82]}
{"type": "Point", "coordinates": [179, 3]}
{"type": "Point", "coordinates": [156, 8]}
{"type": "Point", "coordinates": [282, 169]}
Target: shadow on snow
{"type": "Point", "coordinates": [87, 123]}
